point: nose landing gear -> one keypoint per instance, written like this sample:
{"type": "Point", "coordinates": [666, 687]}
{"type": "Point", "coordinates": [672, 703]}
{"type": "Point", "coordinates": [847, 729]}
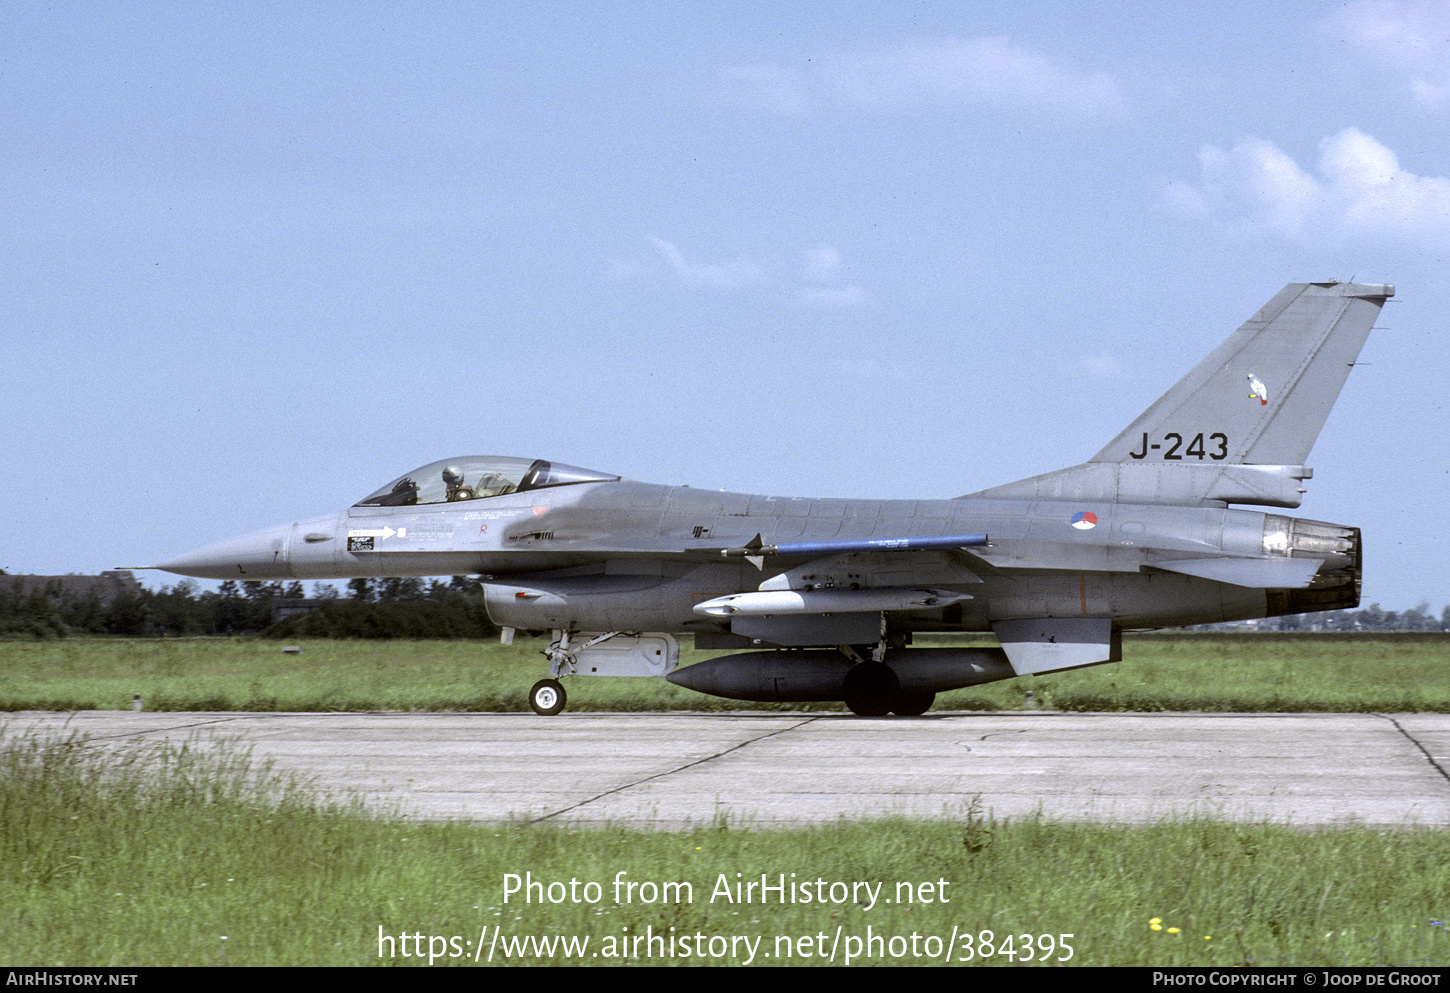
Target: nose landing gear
{"type": "Point", "coordinates": [547, 697]}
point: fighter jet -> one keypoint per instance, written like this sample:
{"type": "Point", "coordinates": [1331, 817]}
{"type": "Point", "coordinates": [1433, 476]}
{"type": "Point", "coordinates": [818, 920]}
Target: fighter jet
{"type": "Point", "coordinates": [821, 598]}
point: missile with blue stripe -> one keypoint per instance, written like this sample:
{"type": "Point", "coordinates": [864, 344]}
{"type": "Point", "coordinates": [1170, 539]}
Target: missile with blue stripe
{"type": "Point", "coordinates": [757, 548]}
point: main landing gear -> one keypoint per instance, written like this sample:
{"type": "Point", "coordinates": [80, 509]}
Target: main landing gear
{"type": "Point", "coordinates": [872, 688]}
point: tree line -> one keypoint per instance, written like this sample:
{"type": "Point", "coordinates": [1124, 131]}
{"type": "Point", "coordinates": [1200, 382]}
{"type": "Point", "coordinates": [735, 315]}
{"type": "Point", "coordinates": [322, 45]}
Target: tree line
{"type": "Point", "coordinates": [1371, 618]}
{"type": "Point", "coordinates": [407, 607]}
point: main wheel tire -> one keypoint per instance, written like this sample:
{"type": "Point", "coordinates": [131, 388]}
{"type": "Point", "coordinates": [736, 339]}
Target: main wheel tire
{"type": "Point", "coordinates": [912, 704]}
{"type": "Point", "coordinates": [871, 689]}
{"type": "Point", "coordinates": [547, 697]}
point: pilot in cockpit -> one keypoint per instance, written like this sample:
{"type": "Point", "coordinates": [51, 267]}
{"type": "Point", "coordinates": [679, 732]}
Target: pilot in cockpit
{"type": "Point", "coordinates": [453, 481]}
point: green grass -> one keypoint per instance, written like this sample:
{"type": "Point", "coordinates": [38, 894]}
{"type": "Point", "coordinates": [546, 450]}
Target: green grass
{"type": "Point", "coordinates": [1401, 673]}
{"type": "Point", "coordinates": [1205, 672]}
{"type": "Point", "coordinates": [161, 855]}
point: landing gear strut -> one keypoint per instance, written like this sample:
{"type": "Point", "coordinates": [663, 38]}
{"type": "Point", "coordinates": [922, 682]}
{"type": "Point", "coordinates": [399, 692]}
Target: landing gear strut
{"type": "Point", "coordinates": [601, 653]}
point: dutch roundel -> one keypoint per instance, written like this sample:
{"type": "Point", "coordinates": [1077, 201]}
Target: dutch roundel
{"type": "Point", "coordinates": [1084, 520]}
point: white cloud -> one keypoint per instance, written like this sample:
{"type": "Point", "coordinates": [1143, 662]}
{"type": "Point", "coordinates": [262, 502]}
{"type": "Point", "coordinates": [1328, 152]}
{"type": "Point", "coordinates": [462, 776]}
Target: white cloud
{"type": "Point", "coordinates": [1429, 94]}
{"type": "Point", "coordinates": [727, 275]}
{"type": "Point", "coordinates": [821, 271]}
{"type": "Point", "coordinates": [824, 268]}
{"type": "Point", "coordinates": [1265, 182]}
{"type": "Point", "coordinates": [1101, 366]}
{"type": "Point", "coordinates": [989, 72]}
{"type": "Point", "coordinates": [1410, 38]}
{"type": "Point", "coordinates": [823, 264]}
{"type": "Point", "coordinates": [1358, 189]}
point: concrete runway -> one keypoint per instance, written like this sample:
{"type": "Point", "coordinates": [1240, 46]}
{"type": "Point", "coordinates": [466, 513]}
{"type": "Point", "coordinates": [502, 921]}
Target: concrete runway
{"type": "Point", "coordinates": [671, 770]}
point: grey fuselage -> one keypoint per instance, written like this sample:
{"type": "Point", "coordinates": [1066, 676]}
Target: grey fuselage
{"type": "Point", "coordinates": [624, 555]}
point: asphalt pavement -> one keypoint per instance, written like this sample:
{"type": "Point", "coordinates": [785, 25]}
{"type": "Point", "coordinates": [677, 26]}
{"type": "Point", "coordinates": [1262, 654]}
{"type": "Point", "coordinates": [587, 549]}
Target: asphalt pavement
{"type": "Point", "coordinates": [667, 770]}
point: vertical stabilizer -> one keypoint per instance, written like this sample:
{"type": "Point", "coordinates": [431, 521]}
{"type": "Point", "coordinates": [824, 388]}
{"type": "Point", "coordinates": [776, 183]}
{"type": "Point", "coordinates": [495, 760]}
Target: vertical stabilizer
{"type": "Point", "coordinates": [1262, 396]}
{"type": "Point", "coordinates": [1239, 427]}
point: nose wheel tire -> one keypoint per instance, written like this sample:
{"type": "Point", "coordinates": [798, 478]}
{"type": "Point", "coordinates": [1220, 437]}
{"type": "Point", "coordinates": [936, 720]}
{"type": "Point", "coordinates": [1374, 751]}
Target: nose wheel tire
{"type": "Point", "coordinates": [547, 697]}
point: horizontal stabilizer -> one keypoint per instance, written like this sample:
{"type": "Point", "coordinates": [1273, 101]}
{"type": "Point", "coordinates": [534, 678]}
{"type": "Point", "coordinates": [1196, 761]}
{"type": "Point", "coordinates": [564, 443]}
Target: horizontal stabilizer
{"type": "Point", "coordinates": [1266, 574]}
{"type": "Point", "coordinates": [1049, 644]}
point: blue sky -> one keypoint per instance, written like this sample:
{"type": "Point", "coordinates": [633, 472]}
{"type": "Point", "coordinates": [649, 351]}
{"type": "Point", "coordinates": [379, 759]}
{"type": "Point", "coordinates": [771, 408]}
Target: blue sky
{"type": "Point", "coordinates": [261, 258]}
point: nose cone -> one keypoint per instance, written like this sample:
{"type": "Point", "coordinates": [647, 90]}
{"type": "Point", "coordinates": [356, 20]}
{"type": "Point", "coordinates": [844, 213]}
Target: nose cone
{"type": "Point", "coordinates": [262, 555]}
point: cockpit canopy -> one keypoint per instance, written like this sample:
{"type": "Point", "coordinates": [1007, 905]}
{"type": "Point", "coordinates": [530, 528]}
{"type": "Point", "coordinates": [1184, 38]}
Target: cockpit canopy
{"type": "Point", "coordinates": [475, 477]}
